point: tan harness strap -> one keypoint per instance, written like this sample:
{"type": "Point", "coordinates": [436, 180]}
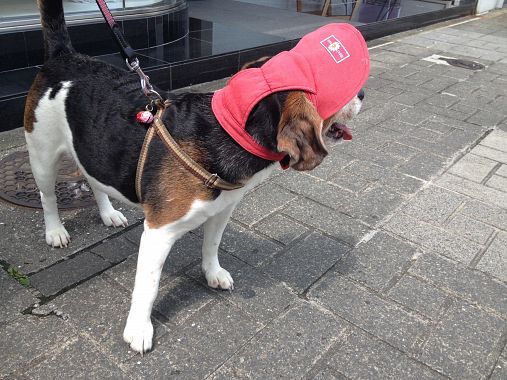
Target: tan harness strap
{"type": "Point", "coordinates": [212, 181]}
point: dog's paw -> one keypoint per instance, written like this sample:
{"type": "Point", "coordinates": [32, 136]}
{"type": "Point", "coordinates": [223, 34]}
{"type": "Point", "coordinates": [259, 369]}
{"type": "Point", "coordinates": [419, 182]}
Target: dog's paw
{"type": "Point", "coordinates": [139, 335]}
{"type": "Point", "coordinates": [114, 218]}
{"type": "Point", "coordinates": [58, 237]}
{"type": "Point", "coordinates": [220, 279]}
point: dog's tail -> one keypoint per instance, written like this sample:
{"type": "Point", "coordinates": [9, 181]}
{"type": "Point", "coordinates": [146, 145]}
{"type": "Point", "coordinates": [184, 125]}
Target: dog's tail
{"type": "Point", "coordinates": [54, 29]}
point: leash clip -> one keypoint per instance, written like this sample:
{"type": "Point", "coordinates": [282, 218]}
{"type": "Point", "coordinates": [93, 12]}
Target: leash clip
{"type": "Point", "coordinates": [145, 80]}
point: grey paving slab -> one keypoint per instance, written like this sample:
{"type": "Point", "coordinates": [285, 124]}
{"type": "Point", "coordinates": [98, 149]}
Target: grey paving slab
{"type": "Point", "coordinates": [471, 285]}
{"type": "Point", "coordinates": [377, 261]}
{"type": "Point", "coordinates": [247, 245]}
{"type": "Point", "coordinates": [486, 213]}
{"type": "Point", "coordinates": [466, 342]}
{"type": "Point", "coordinates": [373, 205]}
{"type": "Point", "coordinates": [419, 296]}
{"type": "Point", "coordinates": [402, 183]}
{"type": "Point", "coordinates": [77, 359]}
{"type": "Point", "coordinates": [196, 348]}
{"type": "Point", "coordinates": [261, 202]}
{"type": "Point", "coordinates": [281, 228]}
{"type": "Point", "coordinates": [301, 265]}
{"type": "Point", "coordinates": [472, 167]}
{"type": "Point", "coordinates": [23, 243]}
{"type": "Point", "coordinates": [431, 237]}
{"type": "Point", "coordinates": [494, 260]}
{"type": "Point", "coordinates": [14, 298]}
{"type": "Point", "coordinates": [30, 338]}
{"type": "Point", "coordinates": [365, 309]}
{"type": "Point", "coordinates": [255, 293]}
{"type": "Point", "coordinates": [470, 228]}
{"type": "Point", "coordinates": [99, 310]}
{"type": "Point", "coordinates": [434, 204]}
{"type": "Point", "coordinates": [287, 347]}
{"type": "Point", "coordinates": [134, 234]}
{"type": "Point", "coordinates": [400, 150]}
{"type": "Point", "coordinates": [502, 171]}
{"type": "Point", "coordinates": [361, 356]}
{"type": "Point", "coordinates": [182, 298]}
{"type": "Point", "coordinates": [67, 273]}
{"type": "Point", "coordinates": [497, 182]}
{"type": "Point", "coordinates": [115, 250]}
{"type": "Point", "coordinates": [486, 118]}
{"type": "Point", "coordinates": [329, 374]}
{"type": "Point", "coordinates": [472, 189]}
{"type": "Point", "coordinates": [219, 324]}
{"type": "Point", "coordinates": [350, 182]}
{"type": "Point", "coordinates": [327, 220]}
{"type": "Point", "coordinates": [184, 253]}
{"type": "Point", "coordinates": [423, 165]}
{"type": "Point", "coordinates": [496, 140]}
{"type": "Point", "coordinates": [314, 188]}
{"type": "Point", "coordinates": [333, 164]}
{"type": "Point", "coordinates": [493, 154]}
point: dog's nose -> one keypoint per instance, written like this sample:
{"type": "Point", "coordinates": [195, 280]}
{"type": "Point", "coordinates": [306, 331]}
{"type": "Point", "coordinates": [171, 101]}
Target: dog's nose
{"type": "Point", "coordinates": [360, 94]}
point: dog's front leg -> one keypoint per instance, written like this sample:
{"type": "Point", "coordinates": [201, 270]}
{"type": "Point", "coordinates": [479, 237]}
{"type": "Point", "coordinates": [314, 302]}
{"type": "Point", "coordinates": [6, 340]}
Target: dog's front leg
{"type": "Point", "coordinates": [214, 227]}
{"type": "Point", "coordinates": [154, 248]}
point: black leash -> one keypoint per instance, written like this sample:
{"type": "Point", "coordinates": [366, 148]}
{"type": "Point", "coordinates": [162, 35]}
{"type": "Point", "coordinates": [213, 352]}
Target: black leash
{"type": "Point", "coordinates": [128, 53]}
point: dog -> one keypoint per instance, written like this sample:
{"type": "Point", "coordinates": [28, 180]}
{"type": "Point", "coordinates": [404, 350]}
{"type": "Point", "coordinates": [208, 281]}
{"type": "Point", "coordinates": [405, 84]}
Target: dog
{"type": "Point", "coordinates": [81, 106]}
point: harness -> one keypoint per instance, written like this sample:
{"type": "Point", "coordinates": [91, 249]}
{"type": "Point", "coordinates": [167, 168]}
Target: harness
{"type": "Point", "coordinates": [157, 127]}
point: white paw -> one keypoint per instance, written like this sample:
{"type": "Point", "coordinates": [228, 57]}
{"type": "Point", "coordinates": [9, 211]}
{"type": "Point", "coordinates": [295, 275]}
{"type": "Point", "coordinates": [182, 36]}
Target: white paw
{"type": "Point", "coordinates": [139, 335]}
{"type": "Point", "coordinates": [58, 237]}
{"type": "Point", "coordinates": [114, 218]}
{"type": "Point", "coordinates": [220, 279]}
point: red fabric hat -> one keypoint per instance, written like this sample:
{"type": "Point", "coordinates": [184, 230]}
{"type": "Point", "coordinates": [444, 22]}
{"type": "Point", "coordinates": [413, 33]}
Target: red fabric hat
{"type": "Point", "coordinates": [330, 64]}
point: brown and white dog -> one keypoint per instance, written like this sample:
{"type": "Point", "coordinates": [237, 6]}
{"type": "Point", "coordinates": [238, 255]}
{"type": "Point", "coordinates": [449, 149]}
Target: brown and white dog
{"type": "Point", "coordinates": [81, 106]}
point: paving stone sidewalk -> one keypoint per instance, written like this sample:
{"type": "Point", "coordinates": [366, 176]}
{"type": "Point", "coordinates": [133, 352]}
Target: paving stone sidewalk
{"type": "Point", "coordinates": [388, 261]}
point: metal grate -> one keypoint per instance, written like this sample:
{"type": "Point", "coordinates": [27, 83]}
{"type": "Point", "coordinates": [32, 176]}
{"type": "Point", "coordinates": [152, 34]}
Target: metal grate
{"type": "Point", "coordinates": [17, 184]}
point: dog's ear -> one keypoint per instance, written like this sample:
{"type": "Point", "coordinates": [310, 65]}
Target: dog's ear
{"type": "Point", "coordinates": [300, 132]}
{"type": "Point", "coordinates": [255, 64]}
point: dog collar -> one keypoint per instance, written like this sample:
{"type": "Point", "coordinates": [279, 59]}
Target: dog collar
{"type": "Point", "coordinates": [330, 64]}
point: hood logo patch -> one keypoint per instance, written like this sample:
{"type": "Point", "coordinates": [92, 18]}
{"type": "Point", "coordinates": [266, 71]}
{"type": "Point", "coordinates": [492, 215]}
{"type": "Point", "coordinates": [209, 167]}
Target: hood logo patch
{"type": "Point", "coordinates": [335, 48]}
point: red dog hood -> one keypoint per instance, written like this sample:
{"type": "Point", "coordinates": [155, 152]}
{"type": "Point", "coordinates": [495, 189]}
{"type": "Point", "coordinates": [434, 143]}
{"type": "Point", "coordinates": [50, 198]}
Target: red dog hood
{"type": "Point", "coordinates": [330, 64]}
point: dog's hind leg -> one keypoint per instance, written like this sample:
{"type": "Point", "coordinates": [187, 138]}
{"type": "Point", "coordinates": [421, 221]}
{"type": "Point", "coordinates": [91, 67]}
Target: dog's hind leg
{"type": "Point", "coordinates": [109, 215]}
{"type": "Point", "coordinates": [154, 248]}
{"type": "Point", "coordinates": [214, 227]}
{"type": "Point", "coordinates": [44, 159]}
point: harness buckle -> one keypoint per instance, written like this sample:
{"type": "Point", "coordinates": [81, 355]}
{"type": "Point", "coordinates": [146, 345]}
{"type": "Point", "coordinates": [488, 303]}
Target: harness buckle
{"type": "Point", "coordinates": [210, 182]}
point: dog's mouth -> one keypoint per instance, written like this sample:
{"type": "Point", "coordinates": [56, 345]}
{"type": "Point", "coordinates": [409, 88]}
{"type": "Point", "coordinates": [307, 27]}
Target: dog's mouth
{"type": "Point", "coordinates": [339, 131]}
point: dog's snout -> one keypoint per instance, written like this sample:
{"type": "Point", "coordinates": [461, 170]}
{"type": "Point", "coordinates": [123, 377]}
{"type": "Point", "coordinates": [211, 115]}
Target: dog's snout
{"type": "Point", "coordinates": [360, 94]}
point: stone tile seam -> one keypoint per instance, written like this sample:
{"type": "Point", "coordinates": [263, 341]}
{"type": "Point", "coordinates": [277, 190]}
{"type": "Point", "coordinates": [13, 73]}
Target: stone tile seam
{"type": "Point", "coordinates": [411, 355]}
{"type": "Point", "coordinates": [247, 341]}
{"type": "Point", "coordinates": [461, 296]}
{"type": "Point", "coordinates": [90, 247]}
{"type": "Point", "coordinates": [111, 358]}
{"type": "Point", "coordinates": [323, 360]}
{"type": "Point", "coordinates": [501, 345]}
{"type": "Point", "coordinates": [55, 350]}
{"type": "Point", "coordinates": [491, 173]}
{"type": "Point", "coordinates": [425, 223]}
{"type": "Point", "coordinates": [477, 258]}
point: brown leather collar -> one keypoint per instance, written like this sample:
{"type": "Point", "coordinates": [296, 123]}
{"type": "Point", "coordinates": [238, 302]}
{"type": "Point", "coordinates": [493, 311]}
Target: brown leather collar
{"type": "Point", "coordinates": [212, 181]}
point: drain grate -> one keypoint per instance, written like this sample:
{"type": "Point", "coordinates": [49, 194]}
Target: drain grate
{"type": "Point", "coordinates": [463, 63]}
{"type": "Point", "coordinates": [17, 184]}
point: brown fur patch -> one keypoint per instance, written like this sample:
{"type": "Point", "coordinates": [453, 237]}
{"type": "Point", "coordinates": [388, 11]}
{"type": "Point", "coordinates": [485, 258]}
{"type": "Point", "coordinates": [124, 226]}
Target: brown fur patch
{"type": "Point", "coordinates": [300, 132]}
{"type": "Point", "coordinates": [32, 100]}
{"type": "Point", "coordinates": [177, 189]}
{"type": "Point", "coordinates": [257, 63]}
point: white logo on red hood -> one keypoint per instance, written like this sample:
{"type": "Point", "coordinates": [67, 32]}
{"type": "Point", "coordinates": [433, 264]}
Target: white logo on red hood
{"type": "Point", "coordinates": [335, 48]}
